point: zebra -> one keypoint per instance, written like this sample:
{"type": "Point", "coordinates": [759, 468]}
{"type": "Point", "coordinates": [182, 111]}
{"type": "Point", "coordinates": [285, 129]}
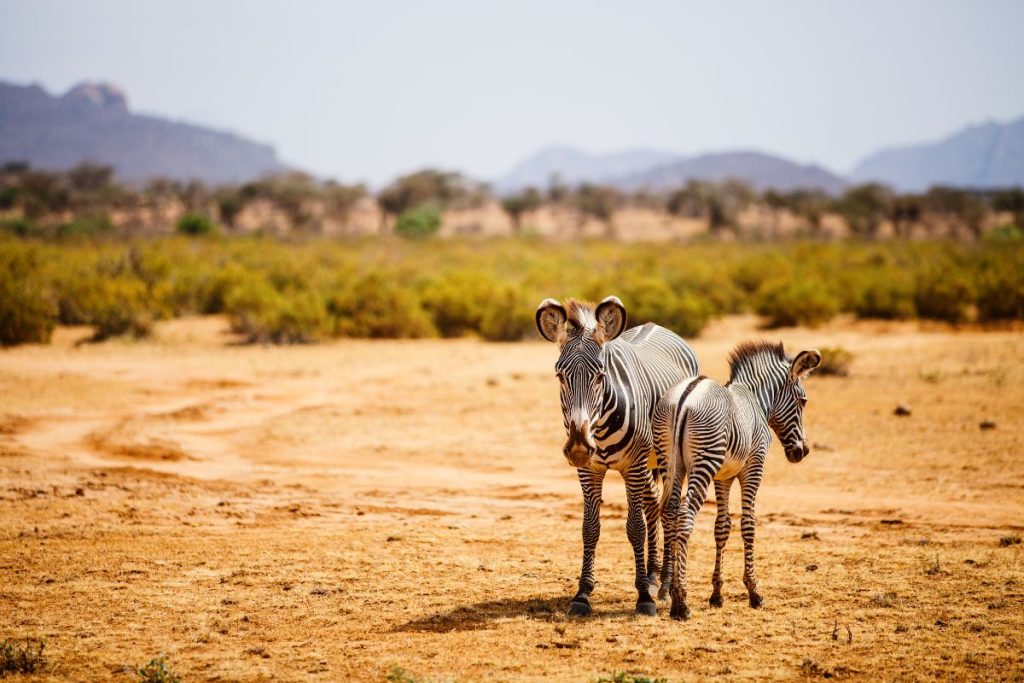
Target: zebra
{"type": "Point", "coordinates": [706, 431]}
{"type": "Point", "coordinates": [610, 381]}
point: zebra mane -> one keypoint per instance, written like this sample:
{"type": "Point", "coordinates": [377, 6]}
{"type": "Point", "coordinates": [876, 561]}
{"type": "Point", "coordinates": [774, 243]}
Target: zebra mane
{"type": "Point", "coordinates": [741, 356]}
{"type": "Point", "coordinates": [580, 314]}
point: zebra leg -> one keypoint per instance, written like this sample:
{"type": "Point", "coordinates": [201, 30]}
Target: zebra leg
{"type": "Point", "coordinates": [652, 515]}
{"type": "Point", "coordinates": [638, 482]}
{"type": "Point", "coordinates": [750, 480]}
{"type": "Point", "coordinates": [592, 483]}
{"type": "Point", "coordinates": [723, 524]}
{"type": "Point", "coordinates": [706, 465]}
{"type": "Point", "coordinates": [670, 522]}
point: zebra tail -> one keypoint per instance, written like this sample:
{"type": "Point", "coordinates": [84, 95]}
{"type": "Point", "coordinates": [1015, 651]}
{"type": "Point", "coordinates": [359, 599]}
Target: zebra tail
{"type": "Point", "coordinates": [675, 455]}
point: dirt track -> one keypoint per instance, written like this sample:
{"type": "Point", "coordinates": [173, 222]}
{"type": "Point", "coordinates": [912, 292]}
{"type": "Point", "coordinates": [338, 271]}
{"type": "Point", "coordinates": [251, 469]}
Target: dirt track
{"type": "Point", "coordinates": [330, 512]}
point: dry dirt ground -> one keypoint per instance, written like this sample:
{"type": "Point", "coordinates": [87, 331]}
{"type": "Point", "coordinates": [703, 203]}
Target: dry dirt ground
{"type": "Point", "coordinates": [331, 512]}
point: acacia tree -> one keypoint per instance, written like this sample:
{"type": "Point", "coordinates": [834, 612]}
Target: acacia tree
{"type": "Point", "coordinates": [518, 204]}
{"type": "Point", "coordinates": [416, 189]}
{"type": "Point", "coordinates": [599, 201]}
{"type": "Point", "coordinates": [864, 207]}
{"type": "Point", "coordinates": [956, 205]}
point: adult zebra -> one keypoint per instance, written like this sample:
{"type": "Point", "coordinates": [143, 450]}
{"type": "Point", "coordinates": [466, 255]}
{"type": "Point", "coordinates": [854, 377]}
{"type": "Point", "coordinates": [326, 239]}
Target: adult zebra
{"type": "Point", "coordinates": [610, 383]}
{"type": "Point", "coordinates": [707, 432]}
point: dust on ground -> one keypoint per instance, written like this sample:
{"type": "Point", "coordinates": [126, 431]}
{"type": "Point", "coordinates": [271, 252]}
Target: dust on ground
{"type": "Point", "coordinates": [331, 512]}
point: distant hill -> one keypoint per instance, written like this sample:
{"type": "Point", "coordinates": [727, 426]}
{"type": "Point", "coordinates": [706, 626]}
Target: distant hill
{"type": "Point", "coordinates": [92, 122]}
{"type": "Point", "coordinates": [651, 169]}
{"type": "Point", "coordinates": [984, 156]}
{"type": "Point", "coordinates": [574, 166]}
{"type": "Point", "coordinates": [760, 171]}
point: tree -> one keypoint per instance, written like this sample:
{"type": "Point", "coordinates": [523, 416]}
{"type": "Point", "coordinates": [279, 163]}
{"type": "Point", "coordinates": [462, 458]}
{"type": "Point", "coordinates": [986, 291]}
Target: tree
{"type": "Point", "coordinates": [1012, 201]}
{"type": "Point", "coordinates": [957, 205]}
{"type": "Point", "coordinates": [904, 212]}
{"type": "Point", "coordinates": [865, 207]}
{"type": "Point", "coordinates": [518, 204]}
{"type": "Point", "coordinates": [416, 189]}
{"type": "Point", "coordinates": [599, 201]}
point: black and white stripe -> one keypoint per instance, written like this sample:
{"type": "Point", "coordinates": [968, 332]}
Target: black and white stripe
{"type": "Point", "coordinates": [710, 432]}
{"type": "Point", "coordinates": [610, 383]}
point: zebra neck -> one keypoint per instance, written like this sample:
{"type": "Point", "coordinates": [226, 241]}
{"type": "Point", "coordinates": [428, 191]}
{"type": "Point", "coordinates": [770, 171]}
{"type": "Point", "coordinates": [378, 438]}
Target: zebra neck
{"type": "Point", "coordinates": [759, 392]}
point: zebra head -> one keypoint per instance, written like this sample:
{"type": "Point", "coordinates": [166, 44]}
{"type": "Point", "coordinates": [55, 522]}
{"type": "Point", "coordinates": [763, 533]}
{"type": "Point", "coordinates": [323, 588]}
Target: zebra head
{"type": "Point", "coordinates": [786, 416]}
{"type": "Point", "coordinates": [581, 330]}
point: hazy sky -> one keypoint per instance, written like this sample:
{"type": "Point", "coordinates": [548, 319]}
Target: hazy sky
{"type": "Point", "coordinates": [365, 90]}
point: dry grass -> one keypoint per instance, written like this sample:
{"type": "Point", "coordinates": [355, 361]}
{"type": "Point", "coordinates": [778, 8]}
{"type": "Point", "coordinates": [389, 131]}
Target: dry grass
{"type": "Point", "coordinates": [353, 510]}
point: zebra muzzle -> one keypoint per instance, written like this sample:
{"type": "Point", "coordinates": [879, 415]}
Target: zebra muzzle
{"type": "Point", "coordinates": [798, 452]}
{"type": "Point", "coordinates": [580, 447]}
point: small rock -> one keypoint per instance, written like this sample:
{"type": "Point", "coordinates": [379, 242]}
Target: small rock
{"type": "Point", "coordinates": [81, 492]}
{"type": "Point", "coordinates": [985, 425]}
{"type": "Point", "coordinates": [811, 567]}
{"type": "Point", "coordinates": [892, 522]}
{"type": "Point", "coordinates": [809, 535]}
{"type": "Point", "coordinates": [903, 410]}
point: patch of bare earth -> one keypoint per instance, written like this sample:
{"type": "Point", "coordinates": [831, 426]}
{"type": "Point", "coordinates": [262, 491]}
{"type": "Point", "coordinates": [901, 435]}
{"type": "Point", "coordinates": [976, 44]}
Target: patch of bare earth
{"type": "Point", "coordinates": [329, 512]}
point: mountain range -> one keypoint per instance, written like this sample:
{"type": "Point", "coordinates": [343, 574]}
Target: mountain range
{"type": "Point", "coordinates": [92, 122]}
{"type": "Point", "coordinates": [986, 156]}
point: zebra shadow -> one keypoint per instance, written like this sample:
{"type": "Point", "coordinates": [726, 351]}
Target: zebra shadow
{"type": "Point", "coordinates": [480, 615]}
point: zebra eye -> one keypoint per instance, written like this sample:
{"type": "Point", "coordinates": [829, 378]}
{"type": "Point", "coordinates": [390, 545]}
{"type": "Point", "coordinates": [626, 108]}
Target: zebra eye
{"type": "Point", "coordinates": [599, 377]}
{"type": "Point", "coordinates": [803, 400]}
{"type": "Point", "coordinates": [560, 375]}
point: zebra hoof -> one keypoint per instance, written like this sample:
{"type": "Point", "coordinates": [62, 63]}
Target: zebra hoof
{"type": "Point", "coordinates": [715, 600]}
{"type": "Point", "coordinates": [647, 609]}
{"type": "Point", "coordinates": [679, 611]}
{"type": "Point", "coordinates": [663, 593]}
{"type": "Point", "coordinates": [756, 600]}
{"type": "Point", "coordinates": [580, 607]}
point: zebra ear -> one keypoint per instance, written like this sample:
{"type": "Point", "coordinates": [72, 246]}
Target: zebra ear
{"type": "Point", "coordinates": [804, 362]}
{"type": "Point", "coordinates": [611, 319]}
{"type": "Point", "coordinates": [551, 319]}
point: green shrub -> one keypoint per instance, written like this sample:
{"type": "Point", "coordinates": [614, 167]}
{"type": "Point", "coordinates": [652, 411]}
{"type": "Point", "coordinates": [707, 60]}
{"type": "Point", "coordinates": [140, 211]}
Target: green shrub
{"type": "Point", "coordinates": [122, 307]}
{"type": "Point", "coordinates": [509, 317]}
{"type": "Point", "coordinates": [785, 302]}
{"type": "Point", "coordinates": [944, 293]}
{"type": "Point", "coordinates": [760, 267]}
{"type": "Point", "coordinates": [28, 312]}
{"type": "Point", "coordinates": [264, 315]}
{"type": "Point", "coordinates": [1000, 285]}
{"type": "Point", "coordinates": [626, 677]}
{"type": "Point", "coordinates": [22, 656]}
{"type": "Point", "coordinates": [421, 221]}
{"type": "Point", "coordinates": [86, 225]}
{"type": "Point", "coordinates": [196, 225]}
{"type": "Point", "coordinates": [157, 671]}
{"type": "Point", "coordinates": [28, 309]}
{"type": "Point", "coordinates": [18, 226]}
{"type": "Point", "coordinates": [374, 306]}
{"type": "Point", "coordinates": [650, 299]}
{"type": "Point", "coordinates": [886, 295]}
{"type": "Point", "coordinates": [458, 301]}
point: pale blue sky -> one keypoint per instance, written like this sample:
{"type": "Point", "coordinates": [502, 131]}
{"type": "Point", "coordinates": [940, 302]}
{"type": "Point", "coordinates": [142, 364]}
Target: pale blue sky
{"type": "Point", "coordinates": [366, 90]}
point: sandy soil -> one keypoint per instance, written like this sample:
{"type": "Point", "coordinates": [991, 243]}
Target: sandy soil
{"type": "Point", "coordinates": [331, 512]}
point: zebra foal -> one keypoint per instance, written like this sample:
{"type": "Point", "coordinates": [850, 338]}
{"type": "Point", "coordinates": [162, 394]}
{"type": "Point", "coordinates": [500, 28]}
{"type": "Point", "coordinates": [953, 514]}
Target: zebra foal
{"type": "Point", "coordinates": [708, 431]}
{"type": "Point", "coordinates": [610, 379]}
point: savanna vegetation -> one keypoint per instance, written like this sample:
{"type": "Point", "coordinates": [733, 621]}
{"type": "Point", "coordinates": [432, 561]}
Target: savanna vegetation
{"type": "Point", "coordinates": [78, 248]}
{"type": "Point", "coordinates": [88, 200]}
{"type": "Point", "coordinates": [308, 290]}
